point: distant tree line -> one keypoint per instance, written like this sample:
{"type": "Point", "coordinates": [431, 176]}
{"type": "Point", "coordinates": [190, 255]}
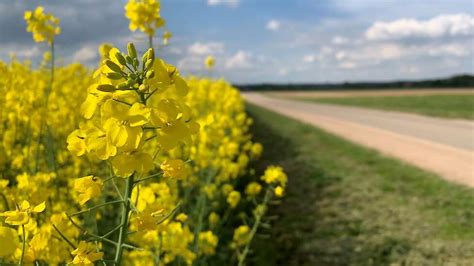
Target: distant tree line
{"type": "Point", "coordinates": [459, 81]}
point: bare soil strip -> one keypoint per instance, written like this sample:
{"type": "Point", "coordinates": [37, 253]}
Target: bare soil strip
{"type": "Point", "coordinates": [451, 162]}
{"type": "Point", "coordinates": [352, 93]}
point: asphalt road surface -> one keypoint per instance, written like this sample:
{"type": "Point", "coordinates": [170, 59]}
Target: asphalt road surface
{"type": "Point", "coordinates": [442, 146]}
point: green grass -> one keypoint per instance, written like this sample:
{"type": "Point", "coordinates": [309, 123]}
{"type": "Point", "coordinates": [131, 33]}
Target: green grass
{"type": "Point", "coordinates": [450, 106]}
{"type": "Point", "coordinates": [348, 205]}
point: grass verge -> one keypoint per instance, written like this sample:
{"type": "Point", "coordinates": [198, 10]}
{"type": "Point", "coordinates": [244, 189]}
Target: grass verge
{"type": "Point", "coordinates": [449, 106]}
{"type": "Point", "coordinates": [348, 205]}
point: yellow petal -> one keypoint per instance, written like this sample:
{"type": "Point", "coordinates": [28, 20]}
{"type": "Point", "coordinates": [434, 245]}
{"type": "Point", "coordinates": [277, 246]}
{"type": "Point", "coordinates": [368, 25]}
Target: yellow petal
{"type": "Point", "coordinates": [40, 207]}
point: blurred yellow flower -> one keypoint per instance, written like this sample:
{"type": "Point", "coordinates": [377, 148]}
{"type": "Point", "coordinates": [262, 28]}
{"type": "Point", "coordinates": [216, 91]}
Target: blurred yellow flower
{"type": "Point", "coordinates": [233, 198]}
{"type": "Point", "coordinates": [21, 215]}
{"type": "Point", "coordinates": [173, 168]}
{"type": "Point", "coordinates": [279, 191]}
{"type": "Point", "coordinates": [241, 236]}
{"type": "Point", "coordinates": [253, 189]}
{"type": "Point", "coordinates": [43, 26]}
{"type": "Point", "coordinates": [166, 37]}
{"type": "Point", "coordinates": [144, 15]}
{"type": "Point", "coordinates": [85, 254]}
{"type": "Point", "coordinates": [88, 187]}
{"type": "Point", "coordinates": [209, 62]}
{"type": "Point", "coordinates": [8, 241]}
{"type": "Point", "coordinates": [207, 242]}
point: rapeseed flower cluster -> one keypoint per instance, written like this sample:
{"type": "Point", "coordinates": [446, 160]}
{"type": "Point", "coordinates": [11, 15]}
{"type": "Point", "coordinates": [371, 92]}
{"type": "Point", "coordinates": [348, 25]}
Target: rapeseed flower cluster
{"type": "Point", "coordinates": [141, 166]}
{"type": "Point", "coordinates": [42, 26]}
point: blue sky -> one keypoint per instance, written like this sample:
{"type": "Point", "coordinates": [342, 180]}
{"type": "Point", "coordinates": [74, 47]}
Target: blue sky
{"type": "Point", "coordinates": [270, 40]}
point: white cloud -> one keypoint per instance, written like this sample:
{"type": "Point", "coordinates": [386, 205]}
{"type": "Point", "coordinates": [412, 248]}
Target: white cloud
{"type": "Point", "coordinates": [309, 58]}
{"type": "Point", "coordinates": [273, 25]}
{"type": "Point", "coordinates": [231, 3]}
{"type": "Point", "coordinates": [339, 40]}
{"type": "Point", "coordinates": [283, 71]}
{"type": "Point", "coordinates": [86, 53]}
{"type": "Point", "coordinates": [439, 26]}
{"type": "Point", "coordinates": [451, 49]}
{"type": "Point", "coordinates": [240, 60]}
{"type": "Point", "coordinates": [347, 65]}
{"type": "Point", "coordinates": [199, 48]}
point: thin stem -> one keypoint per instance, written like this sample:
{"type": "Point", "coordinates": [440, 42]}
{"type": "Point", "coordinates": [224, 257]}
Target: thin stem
{"type": "Point", "coordinates": [151, 93]}
{"type": "Point", "coordinates": [97, 206]}
{"type": "Point", "coordinates": [23, 246]}
{"type": "Point", "coordinates": [255, 226]}
{"type": "Point", "coordinates": [64, 237]}
{"type": "Point", "coordinates": [111, 231]}
{"type": "Point", "coordinates": [202, 202]}
{"type": "Point", "coordinates": [146, 178]}
{"type": "Point", "coordinates": [124, 221]}
{"type": "Point", "coordinates": [150, 41]}
{"type": "Point", "coordinates": [120, 101]}
{"type": "Point", "coordinates": [117, 189]}
{"type": "Point", "coordinates": [5, 201]}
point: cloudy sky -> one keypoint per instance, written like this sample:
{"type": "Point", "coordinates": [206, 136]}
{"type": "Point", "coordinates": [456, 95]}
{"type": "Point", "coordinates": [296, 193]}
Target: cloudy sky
{"type": "Point", "coordinates": [271, 40]}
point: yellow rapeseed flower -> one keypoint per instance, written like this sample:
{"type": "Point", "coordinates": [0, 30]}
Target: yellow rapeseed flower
{"type": "Point", "coordinates": [144, 15]}
{"type": "Point", "coordinates": [253, 189]}
{"type": "Point", "coordinates": [43, 26]}
{"type": "Point", "coordinates": [21, 215]}
{"type": "Point", "coordinates": [85, 254]}
{"type": "Point", "coordinates": [233, 198]}
{"type": "Point", "coordinates": [208, 242]}
{"type": "Point", "coordinates": [166, 37]}
{"type": "Point", "coordinates": [209, 62]}
{"type": "Point", "coordinates": [241, 236]}
{"type": "Point", "coordinates": [173, 168]}
{"type": "Point", "coordinates": [88, 187]}
{"type": "Point", "coordinates": [8, 241]}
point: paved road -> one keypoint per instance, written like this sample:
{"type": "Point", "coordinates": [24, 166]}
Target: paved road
{"type": "Point", "coordinates": [443, 146]}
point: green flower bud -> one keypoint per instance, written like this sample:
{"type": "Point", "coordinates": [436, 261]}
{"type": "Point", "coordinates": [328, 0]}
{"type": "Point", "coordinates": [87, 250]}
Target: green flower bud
{"type": "Point", "coordinates": [143, 88]}
{"type": "Point", "coordinates": [132, 76]}
{"type": "Point", "coordinates": [114, 67]}
{"type": "Point", "coordinates": [132, 52]}
{"type": "Point", "coordinates": [148, 64]}
{"type": "Point", "coordinates": [120, 58]}
{"type": "Point", "coordinates": [129, 60]}
{"type": "Point", "coordinates": [113, 76]}
{"type": "Point", "coordinates": [150, 74]}
{"type": "Point", "coordinates": [123, 85]}
{"type": "Point", "coordinates": [106, 88]}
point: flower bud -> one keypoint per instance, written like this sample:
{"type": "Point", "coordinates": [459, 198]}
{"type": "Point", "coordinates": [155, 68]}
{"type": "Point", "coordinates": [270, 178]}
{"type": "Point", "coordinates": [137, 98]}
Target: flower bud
{"type": "Point", "coordinates": [120, 58]}
{"type": "Point", "coordinates": [143, 88]}
{"type": "Point", "coordinates": [149, 64]}
{"type": "Point", "coordinates": [106, 88]}
{"type": "Point", "coordinates": [114, 67]}
{"type": "Point", "coordinates": [132, 52]}
{"type": "Point", "coordinates": [113, 76]}
{"type": "Point", "coordinates": [150, 74]}
{"type": "Point", "coordinates": [123, 85]}
{"type": "Point", "coordinates": [129, 60]}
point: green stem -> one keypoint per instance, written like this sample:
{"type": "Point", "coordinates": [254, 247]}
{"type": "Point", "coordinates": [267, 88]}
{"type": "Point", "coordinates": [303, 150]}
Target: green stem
{"type": "Point", "coordinates": [95, 207]}
{"type": "Point", "coordinates": [64, 237]}
{"type": "Point", "coordinates": [124, 221]}
{"type": "Point", "coordinates": [23, 246]}
{"type": "Point", "coordinates": [202, 202]}
{"type": "Point", "coordinates": [255, 226]}
{"type": "Point", "coordinates": [150, 42]}
{"type": "Point", "coordinates": [5, 201]}
{"type": "Point", "coordinates": [46, 101]}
